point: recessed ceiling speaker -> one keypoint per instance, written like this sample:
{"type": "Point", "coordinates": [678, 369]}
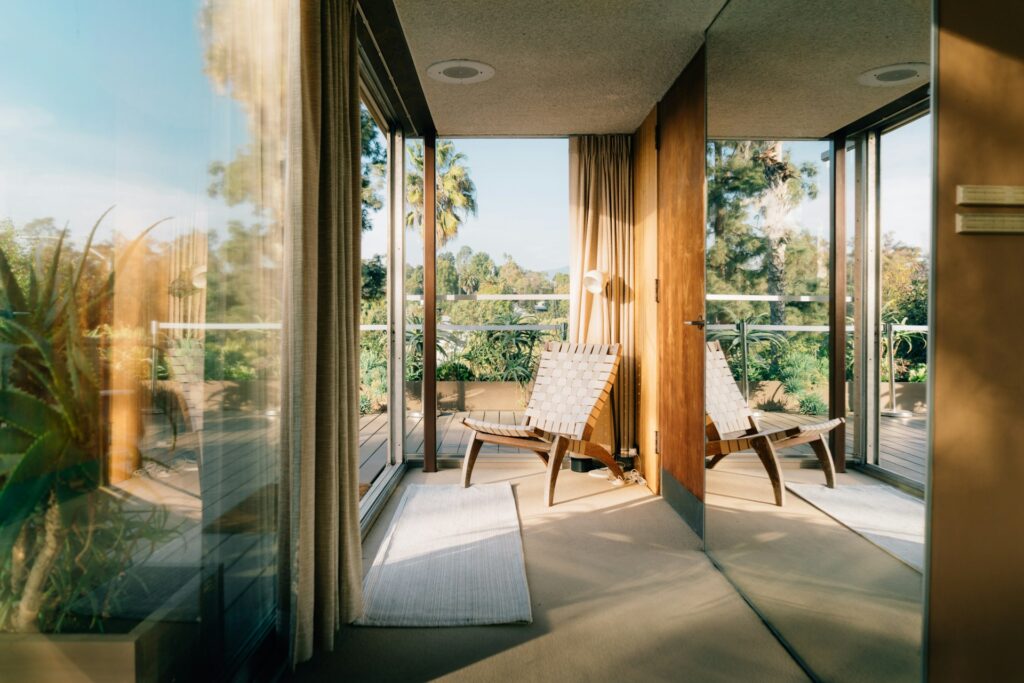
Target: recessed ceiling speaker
{"type": "Point", "coordinates": [895, 75]}
{"type": "Point", "coordinates": [461, 71]}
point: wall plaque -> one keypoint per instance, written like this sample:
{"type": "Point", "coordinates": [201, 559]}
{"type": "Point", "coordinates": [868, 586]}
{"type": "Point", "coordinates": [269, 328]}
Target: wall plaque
{"type": "Point", "coordinates": [990, 223]}
{"type": "Point", "coordinates": [990, 195]}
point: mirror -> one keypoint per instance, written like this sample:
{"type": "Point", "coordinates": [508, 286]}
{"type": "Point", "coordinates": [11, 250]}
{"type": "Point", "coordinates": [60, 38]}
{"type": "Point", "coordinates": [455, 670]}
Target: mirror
{"type": "Point", "coordinates": [818, 133]}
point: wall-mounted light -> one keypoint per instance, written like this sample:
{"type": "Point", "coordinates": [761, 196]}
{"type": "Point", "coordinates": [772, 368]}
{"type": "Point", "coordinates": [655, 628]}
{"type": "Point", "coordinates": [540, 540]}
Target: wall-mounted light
{"type": "Point", "coordinates": [595, 281]}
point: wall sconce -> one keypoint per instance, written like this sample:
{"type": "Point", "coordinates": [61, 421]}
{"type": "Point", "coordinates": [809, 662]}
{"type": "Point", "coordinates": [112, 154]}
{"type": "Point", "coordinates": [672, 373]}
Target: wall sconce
{"type": "Point", "coordinates": [595, 281]}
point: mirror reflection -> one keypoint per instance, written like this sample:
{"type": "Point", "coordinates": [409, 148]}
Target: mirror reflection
{"type": "Point", "coordinates": [818, 248]}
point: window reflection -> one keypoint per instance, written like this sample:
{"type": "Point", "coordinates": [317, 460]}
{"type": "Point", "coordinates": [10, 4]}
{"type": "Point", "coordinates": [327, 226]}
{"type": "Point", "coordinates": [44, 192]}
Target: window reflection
{"type": "Point", "coordinates": [140, 343]}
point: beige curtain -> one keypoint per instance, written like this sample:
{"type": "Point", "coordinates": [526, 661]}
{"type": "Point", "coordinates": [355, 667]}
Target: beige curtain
{"type": "Point", "coordinates": [601, 238]}
{"type": "Point", "coordinates": [320, 558]}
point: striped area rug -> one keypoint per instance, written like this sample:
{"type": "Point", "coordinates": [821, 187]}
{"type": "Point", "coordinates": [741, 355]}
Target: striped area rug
{"type": "Point", "coordinates": [451, 557]}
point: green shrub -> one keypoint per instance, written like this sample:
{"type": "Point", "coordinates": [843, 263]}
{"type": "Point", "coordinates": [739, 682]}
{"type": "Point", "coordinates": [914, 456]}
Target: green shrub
{"type": "Point", "coordinates": [812, 404]}
{"type": "Point", "coordinates": [802, 371]}
{"type": "Point", "coordinates": [918, 373]}
{"type": "Point", "coordinates": [454, 371]}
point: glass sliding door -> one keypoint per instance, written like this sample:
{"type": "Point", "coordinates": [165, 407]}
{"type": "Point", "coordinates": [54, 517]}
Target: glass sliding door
{"type": "Point", "coordinates": [502, 273]}
{"type": "Point", "coordinates": [411, 310]}
{"type": "Point", "coordinates": [142, 231]}
{"type": "Point", "coordinates": [374, 336]}
{"type": "Point", "coordinates": [904, 202]}
{"type": "Point", "coordinates": [891, 251]}
{"type": "Point", "coordinates": [501, 268]}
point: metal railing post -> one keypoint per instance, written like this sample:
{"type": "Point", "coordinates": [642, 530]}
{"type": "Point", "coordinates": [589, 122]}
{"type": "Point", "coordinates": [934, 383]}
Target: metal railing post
{"type": "Point", "coordinates": [892, 365]}
{"type": "Point", "coordinates": [743, 357]}
{"type": "Point", "coordinates": [153, 327]}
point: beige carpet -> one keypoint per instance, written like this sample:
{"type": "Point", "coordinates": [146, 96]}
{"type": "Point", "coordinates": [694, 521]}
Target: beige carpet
{"type": "Point", "coordinates": [852, 610]}
{"type": "Point", "coordinates": [889, 518]}
{"type": "Point", "coordinates": [620, 590]}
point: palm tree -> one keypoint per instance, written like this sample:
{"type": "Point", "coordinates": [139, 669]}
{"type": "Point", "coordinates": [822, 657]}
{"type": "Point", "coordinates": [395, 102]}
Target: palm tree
{"type": "Point", "coordinates": [456, 191]}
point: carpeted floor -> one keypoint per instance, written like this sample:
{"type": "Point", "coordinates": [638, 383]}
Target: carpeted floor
{"type": "Point", "coordinates": [852, 610]}
{"type": "Point", "coordinates": [889, 518]}
{"type": "Point", "coordinates": [621, 591]}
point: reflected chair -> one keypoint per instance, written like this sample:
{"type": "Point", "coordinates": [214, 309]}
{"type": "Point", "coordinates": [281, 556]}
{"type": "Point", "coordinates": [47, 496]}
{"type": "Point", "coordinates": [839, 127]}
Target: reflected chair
{"type": "Point", "coordinates": [572, 385]}
{"type": "Point", "coordinates": [730, 426]}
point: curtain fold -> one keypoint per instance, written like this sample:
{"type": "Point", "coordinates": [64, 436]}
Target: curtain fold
{"type": "Point", "coordinates": [320, 558]}
{"type": "Point", "coordinates": [601, 238]}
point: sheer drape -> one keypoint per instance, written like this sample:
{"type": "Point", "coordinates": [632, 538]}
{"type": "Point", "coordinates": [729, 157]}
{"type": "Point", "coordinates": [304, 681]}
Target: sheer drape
{"type": "Point", "coordinates": [601, 238]}
{"type": "Point", "coordinates": [321, 573]}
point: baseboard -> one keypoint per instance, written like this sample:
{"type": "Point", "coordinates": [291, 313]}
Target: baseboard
{"type": "Point", "coordinates": [686, 505]}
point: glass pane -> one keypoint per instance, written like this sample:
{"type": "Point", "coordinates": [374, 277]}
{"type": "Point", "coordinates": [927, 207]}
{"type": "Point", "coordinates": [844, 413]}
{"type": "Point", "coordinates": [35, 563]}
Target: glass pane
{"type": "Point", "coordinates": [767, 273]}
{"type": "Point", "coordinates": [502, 277]}
{"type": "Point", "coordinates": [373, 332]}
{"type": "Point", "coordinates": [905, 225]}
{"type": "Point", "coordinates": [854, 447]}
{"type": "Point", "coordinates": [141, 216]}
{"type": "Point", "coordinates": [413, 297]}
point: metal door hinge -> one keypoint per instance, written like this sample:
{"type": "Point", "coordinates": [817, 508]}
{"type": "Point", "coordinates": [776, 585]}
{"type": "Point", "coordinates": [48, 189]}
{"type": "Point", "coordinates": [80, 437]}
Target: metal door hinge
{"type": "Point", "coordinates": [657, 442]}
{"type": "Point", "coordinates": [657, 290]}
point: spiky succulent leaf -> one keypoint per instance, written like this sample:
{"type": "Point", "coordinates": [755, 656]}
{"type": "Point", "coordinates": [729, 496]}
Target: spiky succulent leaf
{"type": "Point", "coordinates": [24, 412]}
{"type": "Point", "coordinates": [13, 297]}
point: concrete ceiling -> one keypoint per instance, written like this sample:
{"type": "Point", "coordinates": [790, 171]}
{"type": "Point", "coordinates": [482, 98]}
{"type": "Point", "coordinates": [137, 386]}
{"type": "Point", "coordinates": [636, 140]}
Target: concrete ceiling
{"type": "Point", "coordinates": [788, 68]}
{"type": "Point", "coordinates": [777, 68]}
{"type": "Point", "coordinates": [562, 66]}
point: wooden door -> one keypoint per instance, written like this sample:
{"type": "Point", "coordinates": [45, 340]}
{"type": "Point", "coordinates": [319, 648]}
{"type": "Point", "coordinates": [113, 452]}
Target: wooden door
{"type": "Point", "coordinates": [681, 221]}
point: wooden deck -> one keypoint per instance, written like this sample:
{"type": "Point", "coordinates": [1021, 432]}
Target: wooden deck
{"type": "Point", "coordinates": [903, 447]}
{"type": "Point", "coordinates": [451, 439]}
{"type": "Point", "coordinates": [219, 488]}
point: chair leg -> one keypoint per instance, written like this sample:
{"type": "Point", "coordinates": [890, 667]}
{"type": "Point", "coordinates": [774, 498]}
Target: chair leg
{"type": "Point", "coordinates": [601, 454]}
{"type": "Point", "coordinates": [765, 451]}
{"type": "Point", "coordinates": [825, 458]}
{"type": "Point", "coordinates": [715, 459]}
{"type": "Point", "coordinates": [555, 456]}
{"type": "Point", "coordinates": [472, 451]}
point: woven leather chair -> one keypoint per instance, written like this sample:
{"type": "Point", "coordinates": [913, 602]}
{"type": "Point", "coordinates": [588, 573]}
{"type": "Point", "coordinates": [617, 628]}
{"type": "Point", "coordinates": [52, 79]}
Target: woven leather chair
{"type": "Point", "coordinates": [730, 427]}
{"type": "Point", "coordinates": [572, 385]}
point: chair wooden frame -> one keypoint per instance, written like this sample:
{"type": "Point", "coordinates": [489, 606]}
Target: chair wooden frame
{"type": "Point", "coordinates": [730, 426]}
{"type": "Point", "coordinates": [573, 384]}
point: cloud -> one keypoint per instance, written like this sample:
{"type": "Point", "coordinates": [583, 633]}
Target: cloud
{"type": "Point", "coordinates": [79, 199]}
{"type": "Point", "coordinates": [23, 120]}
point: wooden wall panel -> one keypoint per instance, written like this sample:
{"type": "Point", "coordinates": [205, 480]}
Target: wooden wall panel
{"type": "Point", "coordinates": [681, 219]}
{"type": "Point", "coordinates": [645, 253]}
{"type": "Point", "coordinates": [975, 598]}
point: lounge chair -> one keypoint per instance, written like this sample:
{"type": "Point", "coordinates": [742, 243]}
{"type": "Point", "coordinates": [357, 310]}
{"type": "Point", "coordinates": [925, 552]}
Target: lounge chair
{"type": "Point", "coordinates": [572, 385]}
{"type": "Point", "coordinates": [730, 426]}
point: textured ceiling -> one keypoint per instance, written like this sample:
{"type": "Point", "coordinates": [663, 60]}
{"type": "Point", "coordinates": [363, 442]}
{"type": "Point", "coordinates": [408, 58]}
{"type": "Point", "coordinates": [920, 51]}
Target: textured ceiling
{"type": "Point", "coordinates": [563, 66]}
{"type": "Point", "coordinates": [788, 68]}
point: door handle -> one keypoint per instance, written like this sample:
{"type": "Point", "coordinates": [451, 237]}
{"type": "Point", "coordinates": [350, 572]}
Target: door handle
{"type": "Point", "coordinates": [699, 322]}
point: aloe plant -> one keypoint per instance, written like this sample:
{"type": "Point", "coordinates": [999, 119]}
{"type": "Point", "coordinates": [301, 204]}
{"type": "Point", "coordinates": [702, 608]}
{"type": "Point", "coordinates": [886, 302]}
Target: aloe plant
{"type": "Point", "coordinates": [51, 432]}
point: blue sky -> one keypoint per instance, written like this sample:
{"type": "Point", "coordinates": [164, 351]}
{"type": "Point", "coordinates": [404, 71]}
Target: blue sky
{"type": "Point", "coordinates": [523, 203]}
{"type": "Point", "coordinates": [905, 205]}
{"type": "Point", "coordinates": [107, 103]}
{"type": "Point", "coordinates": [905, 174]}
